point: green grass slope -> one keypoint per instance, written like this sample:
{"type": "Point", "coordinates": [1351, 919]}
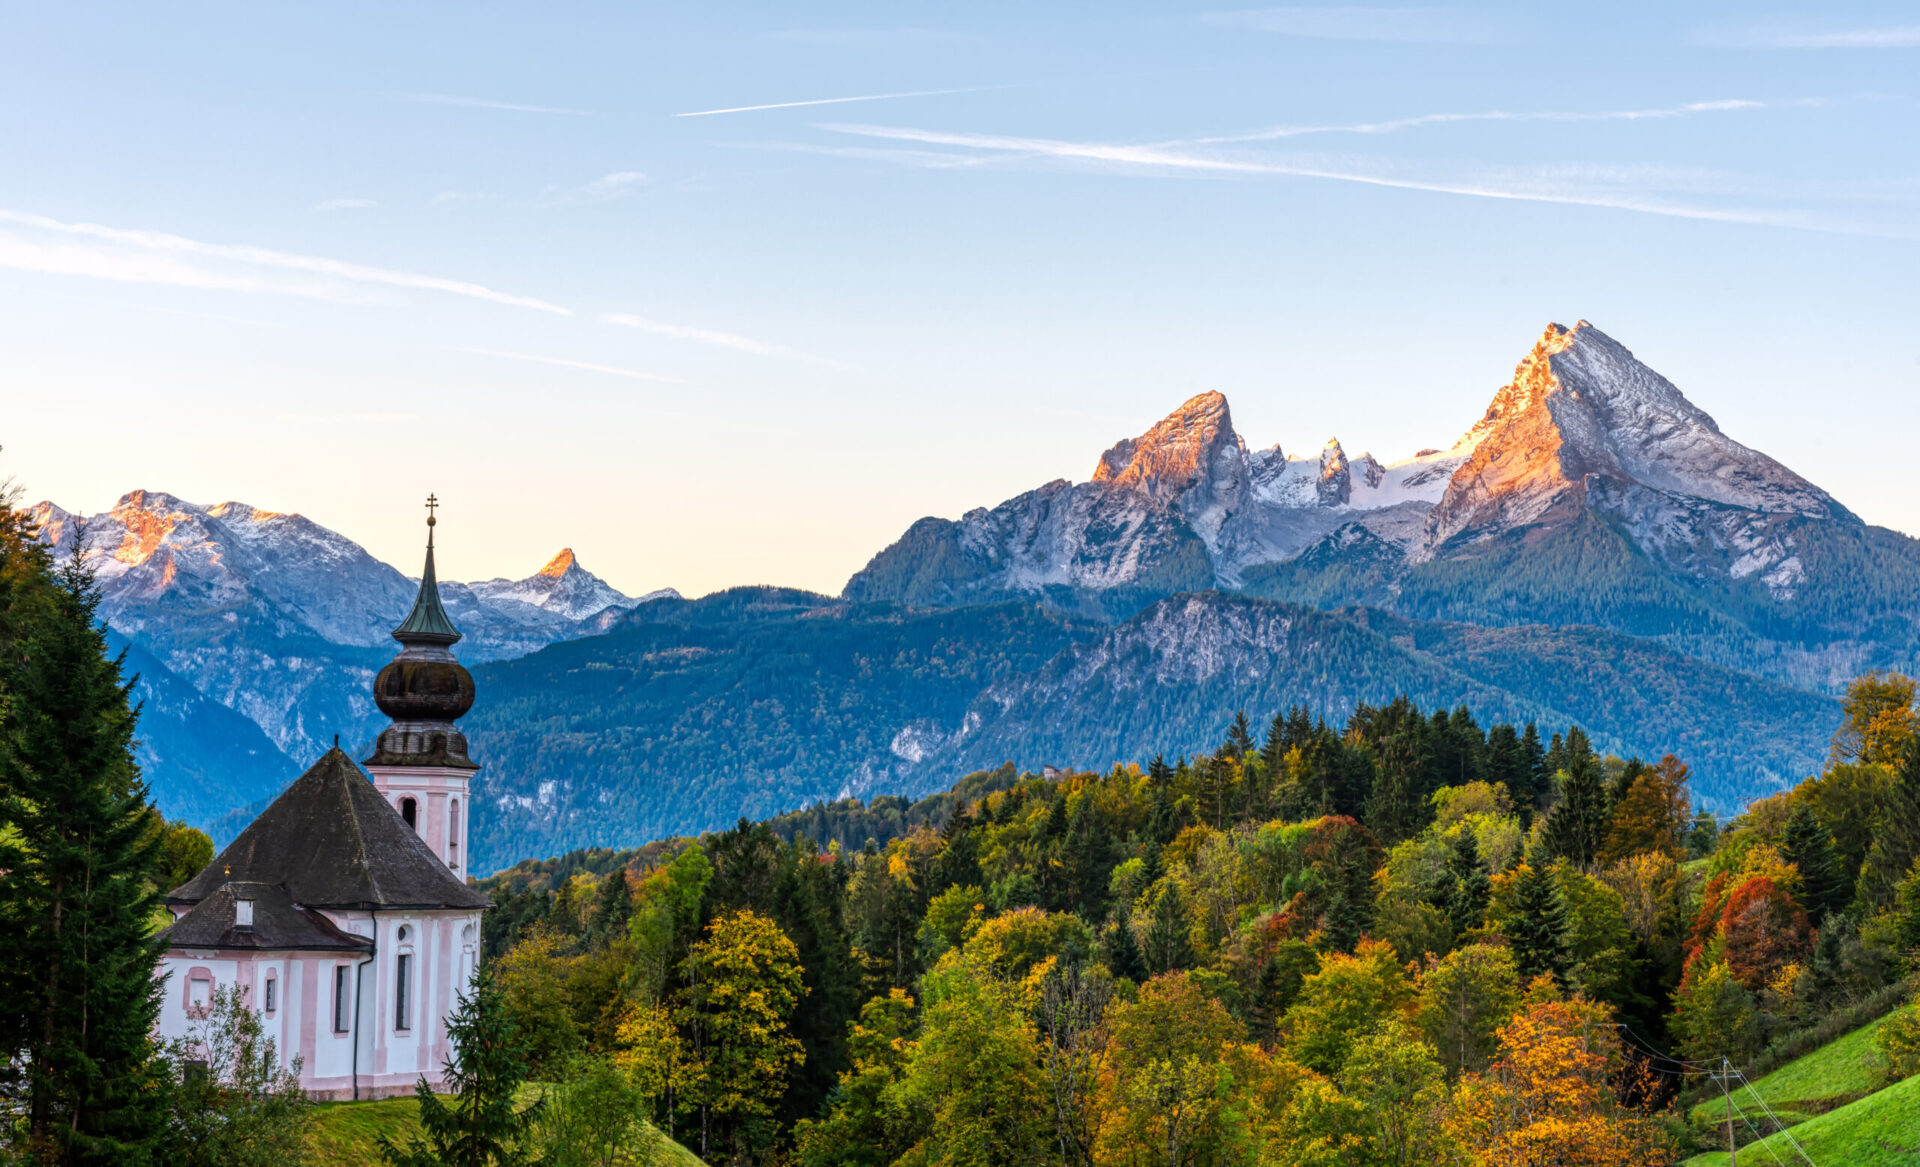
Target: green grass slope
{"type": "Point", "coordinates": [1841, 1069]}
{"type": "Point", "coordinates": [1880, 1130]}
{"type": "Point", "coordinates": [347, 1134]}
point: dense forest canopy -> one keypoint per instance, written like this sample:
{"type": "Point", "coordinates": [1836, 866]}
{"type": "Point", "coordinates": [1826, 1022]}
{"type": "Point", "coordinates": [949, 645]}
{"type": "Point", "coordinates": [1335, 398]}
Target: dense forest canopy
{"type": "Point", "coordinates": [1407, 938]}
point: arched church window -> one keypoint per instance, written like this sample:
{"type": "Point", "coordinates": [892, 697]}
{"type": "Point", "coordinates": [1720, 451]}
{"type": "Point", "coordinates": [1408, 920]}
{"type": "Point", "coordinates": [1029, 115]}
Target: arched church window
{"type": "Point", "coordinates": [410, 811]}
{"type": "Point", "coordinates": [402, 976]}
{"type": "Point", "coordinates": [453, 834]}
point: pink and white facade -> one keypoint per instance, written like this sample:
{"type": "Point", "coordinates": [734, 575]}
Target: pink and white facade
{"type": "Point", "coordinates": [344, 911]}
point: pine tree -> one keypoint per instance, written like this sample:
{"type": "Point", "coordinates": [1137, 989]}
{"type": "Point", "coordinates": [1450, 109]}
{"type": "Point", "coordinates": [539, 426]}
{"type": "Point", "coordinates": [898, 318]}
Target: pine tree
{"type": "Point", "coordinates": [1538, 924]}
{"type": "Point", "coordinates": [1167, 945]}
{"type": "Point", "coordinates": [1273, 753]}
{"type": "Point", "coordinates": [1467, 905]}
{"type": "Point", "coordinates": [1533, 774]}
{"type": "Point", "coordinates": [1578, 825]}
{"type": "Point", "coordinates": [612, 904]}
{"type": "Point", "coordinates": [1057, 816]}
{"type": "Point", "coordinates": [1398, 809]}
{"type": "Point", "coordinates": [483, 1126]}
{"type": "Point", "coordinates": [1239, 737]}
{"type": "Point", "coordinates": [958, 863]}
{"type": "Point", "coordinates": [1808, 845]}
{"type": "Point", "coordinates": [77, 896]}
{"type": "Point", "coordinates": [1123, 952]}
{"type": "Point", "coordinates": [1896, 837]}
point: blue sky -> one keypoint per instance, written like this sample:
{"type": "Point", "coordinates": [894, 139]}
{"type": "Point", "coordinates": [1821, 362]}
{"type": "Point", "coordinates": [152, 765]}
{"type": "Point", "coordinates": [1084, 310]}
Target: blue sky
{"type": "Point", "coordinates": [328, 260]}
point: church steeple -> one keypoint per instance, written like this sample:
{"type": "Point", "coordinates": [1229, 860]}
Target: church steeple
{"type": "Point", "coordinates": [424, 689]}
{"type": "Point", "coordinates": [428, 623]}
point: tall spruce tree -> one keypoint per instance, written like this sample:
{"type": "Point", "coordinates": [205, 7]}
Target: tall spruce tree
{"type": "Point", "coordinates": [1538, 924]}
{"type": "Point", "coordinates": [1578, 824]}
{"type": "Point", "coordinates": [1533, 773]}
{"type": "Point", "coordinates": [1397, 808]}
{"type": "Point", "coordinates": [1239, 737]}
{"type": "Point", "coordinates": [1273, 752]}
{"type": "Point", "coordinates": [78, 890]}
{"type": "Point", "coordinates": [1808, 845]}
{"type": "Point", "coordinates": [1467, 902]}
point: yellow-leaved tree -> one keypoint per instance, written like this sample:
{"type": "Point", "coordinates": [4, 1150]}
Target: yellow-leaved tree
{"type": "Point", "coordinates": [743, 980]}
{"type": "Point", "coordinates": [1548, 1097]}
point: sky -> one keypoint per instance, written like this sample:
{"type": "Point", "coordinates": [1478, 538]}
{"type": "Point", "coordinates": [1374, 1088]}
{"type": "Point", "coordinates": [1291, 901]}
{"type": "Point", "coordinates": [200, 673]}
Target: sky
{"type": "Point", "coordinates": [730, 293]}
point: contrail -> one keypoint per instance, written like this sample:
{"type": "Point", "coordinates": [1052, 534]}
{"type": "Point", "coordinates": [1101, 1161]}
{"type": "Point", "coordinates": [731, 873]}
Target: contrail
{"type": "Point", "coordinates": [701, 113]}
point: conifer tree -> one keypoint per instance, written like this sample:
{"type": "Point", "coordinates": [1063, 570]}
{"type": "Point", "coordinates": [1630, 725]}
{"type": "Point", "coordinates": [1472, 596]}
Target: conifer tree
{"type": "Point", "coordinates": [1538, 924]}
{"type": "Point", "coordinates": [612, 904]}
{"type": "Point", "coordinates": [1273, 752]}
{"type": "Point", "coordinates": [1398, 809]}
{"type": "Point", "coordinates": [1167, 945]}
{"type": "Point", "coordinates": [1578, 825]}
{"type": "Point", "coordinates": [1123, 951]}
{"type": "Point", "coordinates": [1467, 905]}
{"type": "Point", "coordinates": [1808, 845]}
{"type": "Point", "coordinates": [77, 893]}
{"type": "Point", "coordinates": [1533, 773]}
{"type": "Point", "coordinates": [481, 1125]}
{"type": "Point", "coordinates": [1239, 737]}
{"type": "Point", "coordinates": [1057, 815]}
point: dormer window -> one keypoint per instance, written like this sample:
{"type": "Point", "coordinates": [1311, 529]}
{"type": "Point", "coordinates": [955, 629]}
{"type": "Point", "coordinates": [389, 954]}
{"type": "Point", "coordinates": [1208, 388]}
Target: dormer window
{"type": "Point", "coordinates": [243, 913]}
{"type": "Point", "coordinates": [410, 811]}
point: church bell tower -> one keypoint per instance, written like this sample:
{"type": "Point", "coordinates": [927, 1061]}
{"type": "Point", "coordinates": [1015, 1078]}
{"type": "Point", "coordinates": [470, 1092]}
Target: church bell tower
{"type": "Point", "coordinates": [420, 762]}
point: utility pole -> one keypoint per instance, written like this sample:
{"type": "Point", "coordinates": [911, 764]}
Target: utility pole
{"type": "Point", "coordinates": [1726, 1076]}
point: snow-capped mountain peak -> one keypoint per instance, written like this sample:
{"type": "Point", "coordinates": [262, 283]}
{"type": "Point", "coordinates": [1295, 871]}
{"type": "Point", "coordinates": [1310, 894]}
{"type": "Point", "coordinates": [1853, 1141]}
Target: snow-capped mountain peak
{"type": "Point", "coordinates": [1581, 407]}
{"type": "Point", "coordinates": [562, 587]}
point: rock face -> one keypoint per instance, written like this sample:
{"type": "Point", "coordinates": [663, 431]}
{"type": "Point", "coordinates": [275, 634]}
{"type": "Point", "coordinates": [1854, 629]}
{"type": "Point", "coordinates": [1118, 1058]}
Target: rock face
{"type": "Point", "coordinates": [1185, 505]}
{"type": "Point", "coordinates": [1580, 408]}
{"type": "Point", "coordinates": [283, 621]}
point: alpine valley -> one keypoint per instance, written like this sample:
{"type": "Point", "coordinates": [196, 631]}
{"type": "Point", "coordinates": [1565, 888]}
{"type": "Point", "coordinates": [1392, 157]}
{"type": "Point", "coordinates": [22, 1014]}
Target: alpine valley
{"type": "Point", "coordinates": [1592, 551]}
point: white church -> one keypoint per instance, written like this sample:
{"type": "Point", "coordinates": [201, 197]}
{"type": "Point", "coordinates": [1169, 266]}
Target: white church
{"type": "Point", "coordinates": [343, 910]}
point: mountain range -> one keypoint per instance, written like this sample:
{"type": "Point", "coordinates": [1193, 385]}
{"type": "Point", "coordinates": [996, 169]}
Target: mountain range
{"type": "Point", "coordinates": [1592, 550]}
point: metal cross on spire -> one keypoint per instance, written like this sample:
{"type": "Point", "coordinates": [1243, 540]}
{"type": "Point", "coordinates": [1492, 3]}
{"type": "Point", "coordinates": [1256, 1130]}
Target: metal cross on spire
{"type": "Point", "coordinates": [432, 502]}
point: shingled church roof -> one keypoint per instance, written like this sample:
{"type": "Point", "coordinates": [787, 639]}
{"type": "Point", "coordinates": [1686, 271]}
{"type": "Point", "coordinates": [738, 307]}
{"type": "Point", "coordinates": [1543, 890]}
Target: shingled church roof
{"type": "Point", "coordinates": [332, 841]}
{"type": "Point", "coordinates": [278, 923]}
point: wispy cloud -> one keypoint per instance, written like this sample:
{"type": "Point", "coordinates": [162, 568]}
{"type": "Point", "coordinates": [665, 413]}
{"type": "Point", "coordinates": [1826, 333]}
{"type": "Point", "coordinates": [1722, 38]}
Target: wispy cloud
{"type": "Point", "coordinates": [344, 204]}
{"type": "Point", "coordinates": [704, 113]}
{"type": "Point", "coordinates": [157, 257]}
{"type": "Point", "coordinates": [1903, 36]}
{"type": "Point", "coordinates": [604, 189]}
{"type": "Point", "coordinates": [584, 366]}
{"type": "Point", "coordinates": [508, 106]}
{"type": "Point", "coordinates": [1394, 125]}
{"type": "Point", "coordinates": [1443, 25]}
{"type": "Point", "coordinates": [732, 340]}
{"type": "Point", "coordinates": [1667, 191]}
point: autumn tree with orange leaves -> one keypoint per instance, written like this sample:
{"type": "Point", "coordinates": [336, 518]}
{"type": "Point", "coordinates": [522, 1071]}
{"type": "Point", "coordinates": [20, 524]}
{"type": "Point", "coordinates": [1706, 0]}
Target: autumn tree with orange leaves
{"type": "Point", "coordinates": [1549, 1099]}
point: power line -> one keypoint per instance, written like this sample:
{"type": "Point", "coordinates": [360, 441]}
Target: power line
{"type": "Point", "coordinates": [1783, 1128]}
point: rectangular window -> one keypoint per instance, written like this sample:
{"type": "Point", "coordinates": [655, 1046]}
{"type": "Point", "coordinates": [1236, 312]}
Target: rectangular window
{"type": "Point", "coordinates": [199, 990]}
{"type": "Point", "coordinates": [272, 984]}
{"type": "Point", "coordinates": [402, 972]}
{"type": "Point", "coordinates": [342, 998]}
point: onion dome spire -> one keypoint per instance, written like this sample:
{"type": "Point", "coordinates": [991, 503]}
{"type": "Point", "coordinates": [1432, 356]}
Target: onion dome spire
{"type": "Point", "coordinates": [424, 689]}
{"type": "Point", "coordinates": [428, 623]}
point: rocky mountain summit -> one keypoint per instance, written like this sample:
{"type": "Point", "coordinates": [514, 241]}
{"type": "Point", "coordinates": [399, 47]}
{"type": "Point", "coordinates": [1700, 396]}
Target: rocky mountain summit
{"type": "Point", "coordinates": [1591, 490]}
{"type": "Point", "coordinates": [283, 621]}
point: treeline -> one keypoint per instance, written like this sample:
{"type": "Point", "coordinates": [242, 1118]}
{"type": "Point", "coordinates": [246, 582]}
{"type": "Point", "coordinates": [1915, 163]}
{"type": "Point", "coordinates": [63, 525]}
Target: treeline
{"type": "Point", "coordinates": [1406, 938]}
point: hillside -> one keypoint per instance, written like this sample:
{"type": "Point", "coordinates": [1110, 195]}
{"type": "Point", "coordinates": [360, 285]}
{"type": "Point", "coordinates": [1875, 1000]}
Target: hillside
{"type": "Point", "coordinates": [1880, 1130]}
